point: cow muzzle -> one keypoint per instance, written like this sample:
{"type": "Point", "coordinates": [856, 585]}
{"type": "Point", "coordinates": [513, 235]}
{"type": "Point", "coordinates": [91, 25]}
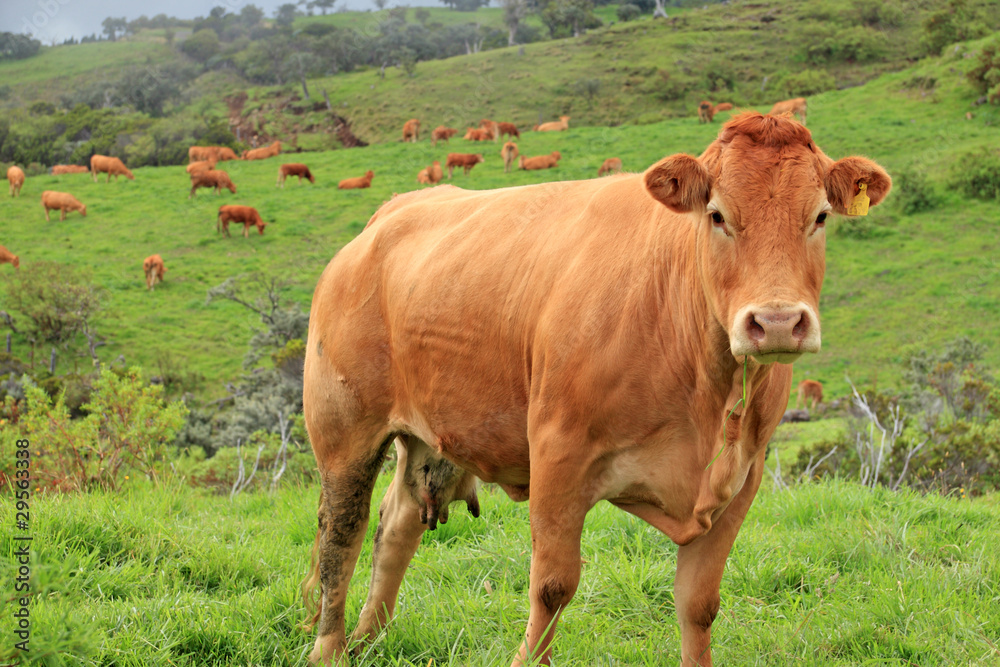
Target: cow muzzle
{"type": "Point", "coordinates": [775, 332]}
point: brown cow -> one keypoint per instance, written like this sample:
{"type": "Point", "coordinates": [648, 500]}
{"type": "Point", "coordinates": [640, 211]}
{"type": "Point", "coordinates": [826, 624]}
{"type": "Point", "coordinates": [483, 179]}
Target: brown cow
{"type": "Point", "coordinates": [63, 201]}
{"type": "Point", "coordinates": [294, 169]}
{"type": "Point", "coordinates": [357, 182]}
{"type": "Point", "coordinates": [248, 215]}
{"type": "Point", "coordinates": [211, 153]}
{"type": "Point", "coordinates": [7, 257]}
{"type": "Point", "coordinates": [492, 127]}
{"type": "Point", "coordinates": [430, 175]}
{"type": "Point", "coordinates": [810, 394]}
{"type": "Point", "coordinates": [263, 153]}
{"type": "Point", "coordinates": [477, 134]}
{"type": "Point", "coordinates": [214, 178]}
{"type": "Point", "coordinates": [442, 133]}
{"type": "Point", "coordinates": [154, 269]}
{"type": "Point", "coordinates": [61, 169]}
{"type": "Point", "coordinates": [793, 107]}
{"type": "Point", "coordinates": [541, 161]}
{"type": "Point", "coordinates": [554, 126]}
{"type": "Point", "coordinates": [569, 369]}
{"type": "Point", "coordinates": [509, 129]}
{"type": "Point", "coordinates": [465, 160]}
{"type": "Point", "coordinates": [411, 130]}
{"type": "Point", "coordinates": [203, 165]}
{"type": "Point", "coordinates": [223, 153]}
{"type": "Point", "coordinates": [706, 112]}
{"type": "Point", "coordinates": [612, 165]}
{"type": "Point", "coordinates": [509, 153]}
{"type": "Point", "coordinates": [16, 177]}
{"type": "Point", "coordinates": [100, 164]}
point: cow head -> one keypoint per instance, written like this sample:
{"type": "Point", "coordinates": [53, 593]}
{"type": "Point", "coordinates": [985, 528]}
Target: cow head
{"type": "Point", "coordinates": [760, 195]}
{"type": "Point", "coordinates": [83, 210]}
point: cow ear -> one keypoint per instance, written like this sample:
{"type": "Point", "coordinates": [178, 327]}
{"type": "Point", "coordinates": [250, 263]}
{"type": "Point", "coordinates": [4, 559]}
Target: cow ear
{"type": "Point", "coordinates": [844, 177]}
{"type": "Point", "coordinates": [680, 183]}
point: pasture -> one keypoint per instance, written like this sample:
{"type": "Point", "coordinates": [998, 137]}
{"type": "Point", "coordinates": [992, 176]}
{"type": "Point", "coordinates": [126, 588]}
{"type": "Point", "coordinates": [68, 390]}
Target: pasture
{"type": "Point", "coordinates": [829, 573]}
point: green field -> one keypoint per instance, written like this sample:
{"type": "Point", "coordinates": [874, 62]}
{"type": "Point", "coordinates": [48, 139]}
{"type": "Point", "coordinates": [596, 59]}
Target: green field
{"type": "Point", "coordinates": [826, 574]}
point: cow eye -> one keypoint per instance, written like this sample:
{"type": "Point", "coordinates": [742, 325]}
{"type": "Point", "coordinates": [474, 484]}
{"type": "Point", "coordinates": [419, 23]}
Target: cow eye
{"type": "Point", "coordinates": [821, 219]}
{"type": "Point", "coordinates": [717, 219]}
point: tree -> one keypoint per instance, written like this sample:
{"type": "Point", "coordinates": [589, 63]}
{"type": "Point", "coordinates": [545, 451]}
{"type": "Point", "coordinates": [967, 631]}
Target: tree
{"type": "Point", "coordinates": [251, 15]}
{"type": "Point", "coordinates": [285, 15]}
{"type": "Point", "coordinates": [17, 47]}
{"type": "Point", "coordinates": [466, 5]}
{"type": "Point", "coordinates": [112, 27]}
{"type": "Point", "coordinates": [202, 45]}
{"type": "Point", "coordinates": [323, 5]}
{"type": "Point", "coordinates": [514, 12]}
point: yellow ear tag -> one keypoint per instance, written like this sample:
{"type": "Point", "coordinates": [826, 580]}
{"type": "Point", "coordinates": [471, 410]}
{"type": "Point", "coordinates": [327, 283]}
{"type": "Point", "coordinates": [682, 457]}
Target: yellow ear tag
{"type": "Point", "coordinates": [859, 206]}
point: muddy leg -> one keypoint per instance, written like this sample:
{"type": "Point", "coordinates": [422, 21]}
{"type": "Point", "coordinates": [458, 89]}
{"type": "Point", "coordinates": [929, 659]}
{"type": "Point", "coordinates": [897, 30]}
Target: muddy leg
{"type": "Point", "coordinates": [699, 572]}
{"type": "Point", "coordinates": [343, 520]}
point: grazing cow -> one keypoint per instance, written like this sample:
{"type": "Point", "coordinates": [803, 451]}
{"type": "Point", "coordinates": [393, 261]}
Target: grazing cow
{"type": "Point", "coordinates": [492, 127]}
{"type": "Point", "coordinates": [499, 335]}
{"type": "Point", "coordinates": [263, 153]}
{"type": "Point", "coordinates": [411, 130]}
{"type": "Point", "coordinates": [213, 178]}
{"type": "Point", "coordinates": [100, 164]}
{"type": "Point", "coordinates": [357, 182]}
{"type": "Point", "coordinates": [248, 215]}
{"type": "Point", "coordinates": [16, 177]}
{"type": "Point", "coordinates": [442, 133]}
{"type": "Point", "coordinates": [810, 394]}
{"type": "Point", "coordinates": [706, 112]}
{"type": "Point", "coordinates": [223, 153]}
{"type": "Point", "coordinates": [63, 201]}
{"type": "Point", "coordinates": [154, 269]}
{"type": "Point", "coordinates": [541, 161]}
{"type": "Point", "coordinates": [61, 169]}
{"type": "Point", "coordinates": [430, 175]}
{"type": "Point", "coordinates": [294, 169]}
{"type": "Point", "coordinates": [212, 153]}
{"type": "Point", "coordinates": [554, 126]}
{"type": "Point", "coordinates": [509, 129]}
{"type": "Point", "coordinates": [509, 153]}
{"type": "Point", "coordinates": [794, 107]}
{"type": "Point", "coordinates": [203, 165]}
{"type": "Point", "coordinates": [612, 165]}
{"type": "Point", "coordinates": [478, 134]}
{"type": "Point", "coordinates": [465, 160]}
{"type": "Point", "coordinates": [7, 257]}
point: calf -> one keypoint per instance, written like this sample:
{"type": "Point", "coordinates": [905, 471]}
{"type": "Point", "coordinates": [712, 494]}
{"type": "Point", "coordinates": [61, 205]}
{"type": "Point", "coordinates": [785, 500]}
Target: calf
{"type": "Point", "coordinates": [246, 214]}
{"type": "Point", "coordinates": [263, 153]}
{"type": "Point", "coordinates": [478, 134]}
{"type": "Point", "coordinates": [411, 130]}
{"type": "Point", "coordinates": [203, 165]}
{"type": "Point", "coordinates": [7, 257]}
{"type": "Point", "coordinates": [509, 153]}
{"type": "Point", "coordinates": [555, 126]}
{"type": "Point", "coordinates": [294, 169]}
{"type": "Point", "coordinates": [612, 165]}
{"type": "Point", "coordinates": [212, 178]}
{"type": "Point", "coordinates": [16, 177]}
{"type": "Point", "coordinates": [357, 182]}
{"type": "Point", "coordinates": [442, 133]}
{"type": "Point", "coordinates": [792, 107]}
{"type": "Point", "coordinates": [541, 161]}
{"type": "Point", "coordinates": [100, 164]}
{"type": "Point", "coordinates": [63, 201]}
{"type": "Point", "coordinates": [810, 394]}
{"type": "Point", "coordinates": [154, 269]}
{"type": "Point", "coordinates": [430, 175]}
{"type": "Point", "coordinates": [492, 127]}
{"type": "Point", "coordinates": [509, 129]}
{"type": "Point", "coordinates": [706, 111]}
{"type": "Point", "coordinates": [499, 334]}
{"type": "Point", "coordinates": [464, 160]}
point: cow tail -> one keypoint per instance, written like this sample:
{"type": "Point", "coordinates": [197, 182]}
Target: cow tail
{"type": "Point", "coordinates": [311, 590]}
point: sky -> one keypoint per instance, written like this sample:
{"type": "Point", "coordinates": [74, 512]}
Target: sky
{"type": "Point", "coordinates": [55, 20]}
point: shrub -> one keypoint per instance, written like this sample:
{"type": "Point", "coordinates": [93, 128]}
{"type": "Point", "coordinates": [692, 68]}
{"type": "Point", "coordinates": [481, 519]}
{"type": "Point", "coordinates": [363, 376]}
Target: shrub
{"type": "Point", "coordinates": [985, 76]}
{"type": "Point", "coordinates": [977, 174]}
{"type": "Point", "coordinates": [263, 449]}
{"type": "Point", "coordinates": [807, 82]}
{"type": "Point", "coordinates": [955, 22]}
{"type": "Point", "coordinates": [856, 45]}
{"type": "Point", "coordinates": [913, 191]}
{"type": "Point", "coordinates": [628, 12]}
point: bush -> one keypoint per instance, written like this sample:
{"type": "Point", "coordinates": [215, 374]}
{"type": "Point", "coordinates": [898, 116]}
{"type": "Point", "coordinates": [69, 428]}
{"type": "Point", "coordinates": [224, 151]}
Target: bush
{"type": "Point", "coordinates": [222, 470]}
{"type": "Point", "coordinates": [628, 12]}
{"type": "Point", "coordinates": [977, 174]}
{"type": "Point", "coordinates": [985, 76]}
{"type": "Point", "coordinates": [854, 45]}
{"type": "Point", "coordinates": [807, 82]}
{"type": "Point", "coordinates": [913, 191]}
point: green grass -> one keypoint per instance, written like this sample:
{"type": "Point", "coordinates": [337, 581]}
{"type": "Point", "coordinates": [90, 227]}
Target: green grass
{"type": "Point", "coordinates": [825, 574]}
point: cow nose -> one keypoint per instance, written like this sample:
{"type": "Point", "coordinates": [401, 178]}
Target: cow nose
{"type": "Point", "coordinates": [778, 330]}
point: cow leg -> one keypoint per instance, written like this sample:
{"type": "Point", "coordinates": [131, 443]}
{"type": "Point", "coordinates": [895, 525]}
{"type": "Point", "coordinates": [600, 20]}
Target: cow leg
{"type": "Point", "coordinates": [699, 572]}
{"type": "Point", "coordinates": [46, 213]}
{"type": "Point", "coordinates": [557, 512]}
{"type": "Point", "coordinates": [62, 214]}
{"type": "Point", "coordinates": [348, 480]}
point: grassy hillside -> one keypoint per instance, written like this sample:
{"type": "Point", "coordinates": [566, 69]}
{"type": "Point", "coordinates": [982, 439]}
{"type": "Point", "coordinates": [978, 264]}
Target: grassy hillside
{"type": "Point", "coordinates": [828, 574]}
{"type": "Point", "coordinates": [914, 281]}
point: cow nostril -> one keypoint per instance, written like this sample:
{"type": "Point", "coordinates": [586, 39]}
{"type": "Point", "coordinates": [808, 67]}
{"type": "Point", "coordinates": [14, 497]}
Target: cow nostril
{"type": "Point", "coordinates": [755, 331]}
{"type": "Point", "coordinates": [801, 328]}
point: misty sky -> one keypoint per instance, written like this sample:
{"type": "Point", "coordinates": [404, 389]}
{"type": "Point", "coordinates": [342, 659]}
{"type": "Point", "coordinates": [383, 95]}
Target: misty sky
{"type": "Point", "coordinates": [56, 20]}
